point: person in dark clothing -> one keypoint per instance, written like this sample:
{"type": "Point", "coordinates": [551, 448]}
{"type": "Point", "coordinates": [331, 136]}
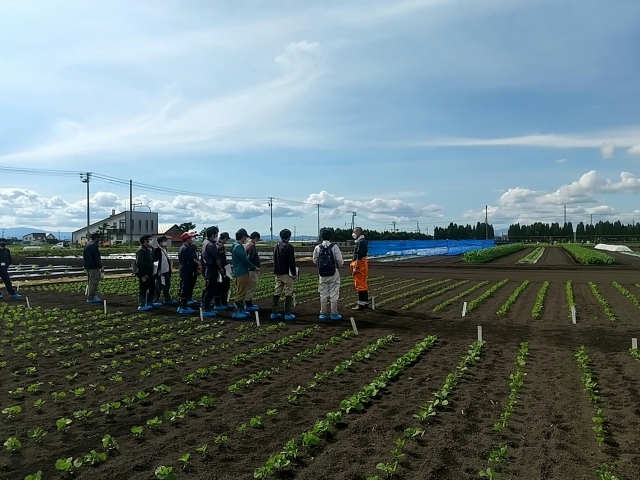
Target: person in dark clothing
{"type": "Point", "coordinates": [360, 268]}
{"type": "Point", "coordinates": [284, 260]}
{"type": "Point", "coordinates": [144, 262]}
{"type": "Point", "coordinates": [163, 277]}
{"type": "Point", "coordinates": [188, 273]}
{"type": "Point", "coordinates": [210, 271]}
{"type": "Point", "coordinates": [221, 298]}
{"type": "Point", "coordinates": [254, 258]}
{"type": "Point", "coordinates": [241, 268]}
{"type": "Point", "coordinates": [5, 261]}
{"type": "Point", "coordinates": [93, 266]}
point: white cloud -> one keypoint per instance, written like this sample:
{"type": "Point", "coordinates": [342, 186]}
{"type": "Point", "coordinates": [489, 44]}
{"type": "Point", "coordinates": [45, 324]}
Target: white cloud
{"type": "Point", "coordinates": [635, 150]}
{"type": "Point", "coordinates": [561, 160]}
{"type": "Point", "coordinates": [607, 150]}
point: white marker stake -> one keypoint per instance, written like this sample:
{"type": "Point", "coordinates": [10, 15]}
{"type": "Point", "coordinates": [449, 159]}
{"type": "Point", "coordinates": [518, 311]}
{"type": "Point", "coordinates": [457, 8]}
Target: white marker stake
{"type": "Point", "coordinates": [257, 318]}
{"type": "Point", "coordinates": [294, 299]}
{"type": "Point", "coordinates": [28, 303]}
{"type": "Point", "coordinates": [480, 333]}
{"type": "Point", "coordinates": [634, 343]}
{"type": "Point", "coordinates": [105, 307]}
{"type": "Point", "coordinates": [201, 316]}
{"type": "Point", "coordinates": [353, 324]}
{"type": "Point", "coordinates": [17, 286]}
{"type": "Point", "coordinates": [228, 296]}
{"type": "Point", "coordinates": [464, 309]}
{"type": "Point", "coordinates": [373, 303]}
{"type": "Point", "coordinates": [573, 315]}
{"type": "Point", "coordinates": [86, 290]}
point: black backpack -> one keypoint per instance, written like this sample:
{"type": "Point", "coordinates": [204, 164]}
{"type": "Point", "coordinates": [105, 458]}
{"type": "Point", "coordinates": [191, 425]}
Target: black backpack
{"type": "Point", "coordinates": [326, 261]}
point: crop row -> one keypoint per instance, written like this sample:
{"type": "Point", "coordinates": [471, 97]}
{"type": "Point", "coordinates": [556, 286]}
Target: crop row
{"type": "Point", "coordinates": [452, 300]}
{"type": "Point", "coordinates": [588, 256]}
{"type": "Point", "coordinates": [630, 296]}
{"type": "Point", "coordinates": [400, 296]}
{"type": "Point", "coordinates": [512, 298]}
{"type": "Point", "coordinates": [398, 287]}
{"type": "Point", "coordinates": [424, 298]}
{"type": "Point", "coordinates": [533, 257]}
{"type": "Point", "coordinates": [427, 412]}
{"type": "Point", "coordinates": [593, 396]}
{"type": "Point", "coordinates": [601, 300]}
{"type": "Point", "coordinates": [355, 403]}
{"type": "Point", "coordinates": [488, 254]}
{"type": "Point", "coordinates": [498, 455]}
{"type": "Point", "coordinates": [477, 301]}
{"type": "Point", "coordinates": [539, 305]}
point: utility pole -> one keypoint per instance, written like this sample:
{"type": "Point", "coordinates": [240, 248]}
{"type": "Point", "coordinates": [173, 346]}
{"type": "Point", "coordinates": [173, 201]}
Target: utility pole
{"type": "Point", "coordinates": [294, 232]}
{"type": "Point", "coordinates": [353, 220]}
{"type": "Point", "coordinates": [130, 226]}
{"type": "Point", "coordinates": [318, 205]}
{"type": "Point", "coordinates": [486, 221]}
{"type": "Point", "coordinates": [418, 227]}
{"type": "Point", "coordinates": [271, 207]}
{"type": "Point", "coordinates": [86, 178]}
{"type": "Point", "coordinates": [394, 226]}
{"type": "Point", "coordinates": [565, 213]}
{"type": "Point", "coordinates": [591, 223]}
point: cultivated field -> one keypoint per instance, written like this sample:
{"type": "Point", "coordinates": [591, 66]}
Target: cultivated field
{"type": "Point", "coordinates": [413, 396]}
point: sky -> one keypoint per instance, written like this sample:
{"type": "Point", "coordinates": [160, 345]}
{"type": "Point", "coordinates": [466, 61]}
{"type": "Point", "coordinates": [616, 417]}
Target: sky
{"type": "Point", "coordinates": [418, 112]}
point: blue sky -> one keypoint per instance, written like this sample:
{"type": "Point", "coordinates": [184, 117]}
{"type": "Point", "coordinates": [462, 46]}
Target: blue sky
{"type": "Point", "coordinates": [402, 110]}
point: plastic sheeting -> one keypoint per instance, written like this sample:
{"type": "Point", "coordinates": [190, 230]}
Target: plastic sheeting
{"type": "Point", "coordinates": [613, 248]}
{"type": "Point", "coordinates": [426, 248]}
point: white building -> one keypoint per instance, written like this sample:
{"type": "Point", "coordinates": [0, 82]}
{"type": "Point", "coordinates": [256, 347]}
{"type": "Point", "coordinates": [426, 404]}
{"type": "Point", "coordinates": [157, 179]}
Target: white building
{"type": "Point", "coordinates": [34, 239]}
{"type": "Point", "coordinates": [120, 227]}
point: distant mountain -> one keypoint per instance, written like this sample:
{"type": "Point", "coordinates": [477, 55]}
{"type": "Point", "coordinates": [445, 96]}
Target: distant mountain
{"type": "Point", "coordinates": [20, 232]}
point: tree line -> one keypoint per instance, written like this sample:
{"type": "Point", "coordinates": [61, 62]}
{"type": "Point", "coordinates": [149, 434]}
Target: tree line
{"type": "Point", "coordinates": [616, 231]}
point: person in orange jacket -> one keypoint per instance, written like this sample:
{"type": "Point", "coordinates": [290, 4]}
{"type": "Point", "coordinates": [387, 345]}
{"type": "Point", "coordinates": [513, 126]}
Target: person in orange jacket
{"type": "Point", "coordinates": [360, 268]}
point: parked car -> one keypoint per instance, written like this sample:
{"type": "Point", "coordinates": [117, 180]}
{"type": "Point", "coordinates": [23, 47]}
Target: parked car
{"type": "Point", "coordinates": [61, 245]}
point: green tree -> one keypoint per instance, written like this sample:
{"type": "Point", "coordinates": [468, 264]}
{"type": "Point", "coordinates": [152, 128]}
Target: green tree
{"type": "Point", "coordinates": [187, 226]}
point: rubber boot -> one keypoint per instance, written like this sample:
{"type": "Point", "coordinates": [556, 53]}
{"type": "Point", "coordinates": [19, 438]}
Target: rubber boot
{"type": "Point", "coordinates": [365, 297]}
{"type": "Point", "coordinates": [250, 307]}
{"type": "Point", "coordinates": [360, 304]}
{"type": "Point", "coordinates": [142, 304]}
{"type": "Point", "coordinates": [288, 302]}
{"type": "Point", "coordinates": [334, 311]}
{"type": "Point", "coordinates": [323, 309]}
{"type": "Point", "coordinates": [151, 303]}
{"type": "Point", "coordinates": [274, 308]}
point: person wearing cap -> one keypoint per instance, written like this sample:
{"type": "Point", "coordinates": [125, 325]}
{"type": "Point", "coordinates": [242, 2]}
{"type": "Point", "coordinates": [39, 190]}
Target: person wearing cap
{"type": "Point", "coordinates": [5, 261]}
{"type": "Point", "coordinates": [188, 272]}
{"type": "Point", "coordinates": [254, 258]}
{"type": "Point", "coordinates": [241, 268]}
{"type": "Point", "coordinates": [221, 299]}
{"type": "Point", "coordinates": [163, 278]}
{"type": "Point", "coordinates": [210, 271]}
{"type": "Point", "coordinates": [144, 272]}
{"type": "Point", "coordinates": [360, 268]}
{"type": "Point", "coordinates": [93, 265]}
{"type": "Point", "coordinates": [284, 267]}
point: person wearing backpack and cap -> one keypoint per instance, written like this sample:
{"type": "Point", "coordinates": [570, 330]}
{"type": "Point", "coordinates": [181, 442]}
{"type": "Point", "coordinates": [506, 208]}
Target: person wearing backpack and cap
{"type": "Point", "coordinates": [188, 273]}
{"type": "Point", "coordinates": [221, 299]}
{"type": "Point", "coordinates": [144, 272]}
{"type": "Point", "coordinates": [328, 257]}
{"type": "Point", "coordinates": [241, 268]}
{"type": "Point", "coordinates": [360, 268]}
{"type": "Point", "coordinates": [5, 261]}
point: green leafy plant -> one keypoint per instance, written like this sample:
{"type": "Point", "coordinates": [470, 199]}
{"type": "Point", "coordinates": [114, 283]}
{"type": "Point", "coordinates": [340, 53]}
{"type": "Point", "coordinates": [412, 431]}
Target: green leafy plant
{"type": "Point", "coordinates": [12, 444]}
{"type": "Point", "coordinates": [110, 443]}
{"type": "Point", "coordinates": [95, 458]}
{"type": "Point", "coordinates": [186, 460]}
{"type": "Point", "coordinates": [34, 476]}
{"type": "Point", "coordinates": [165, 473]}
{"type": "Point", "coordinates": [11, 412]}
{"type": "Point", "coordinates": [487, 294]}
{"type": "Point", "coordinates": [588, 256]}
{"type": "Point", "coordinates": [203, 450]}
{"type": "Point", "coordinates": [539, 304]}
{"type": "Point", "coordinates": [605, 305]}
{"type": "Point", "coordinates": [154, 423]}
{"type": "Point", "coordinates": [37, 434]}
{"type": "Point", "coordinates": [533, 257]}
{"type": "Point", "coordinates": [512, 298]}
{"type": "Point", "coordinates": [63, 424]}
{"type": "Point", "coordinates": [455, 299]}
{"type": "Point", "coordinates": [487, 254]}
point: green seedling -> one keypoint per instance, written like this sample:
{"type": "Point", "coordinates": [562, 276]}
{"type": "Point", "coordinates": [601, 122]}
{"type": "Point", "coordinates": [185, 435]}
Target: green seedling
{"type": "Point", "coordinates": [142, 395]}
{"type": "Point", "coordinates": [162, 389]}
{"type": "Point", "coordinates": [58, 396]}
{"type": "Point", "coordinates": [66, 465]}
{"type": "Point", "coordinates": [309, 439]}
{"type": "Point", "coordinates": [489, 474]}
{"type": "Point", "coordinates": [256, 422]}
{"type": "Point", "coordinates": [34, 387]}
{"type": "Point", "coordinates": [206, 402]}
{"type": "Point", "coordinates": [137, 432]}
{"type": "Point", "coordinates": [221, 440]}
{"type": "Point", "coordinates": [128, 401]}
{"type": "Point", "coordinates": [82, 414]}
{"type": "Point", "coordinates": [242, 427]}
{"type": "Point", "coordinates": [78, 392]}
{"type": "Point", "coordinates": [154, 423]}
{"type": "Point", "coordinates": [186, 460]}
{"type": "Point", "coordinates": [95, 458]}
{"type": "Point", "coordinates": [34, 476]}
{"type": "Point", "coordinates": [63, 424]}
{"type": "Point", "coordinates": [165, 473]}
{"type": "Point", "coordinates": [271, 412]}
{"type": "Point", "coordinates": [388, 468]}
{"type": "Point", "coordinates": [37, 434]}
{"type": "Point", "coordinates": [203, 450]}
{"type": "Point", "coordinates": [11, 412]}
{"type": "Point", "coordinates": [12, 444]}
{"type": "Point", "coordinates": [110, 443]}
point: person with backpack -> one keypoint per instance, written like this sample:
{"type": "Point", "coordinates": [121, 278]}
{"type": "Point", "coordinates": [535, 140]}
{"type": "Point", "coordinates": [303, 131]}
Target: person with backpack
{"type": "Point", "coordinates": [189, 265]}
{"type": "Point", "coordinates": [92, 263]}
{"type": "Point", "coordinates": [163, 278]}
{"type": "Point", "coordinates": [210, 271]}
{"type": "Point", "coordinates": [144, 272]}
{"type": "Point", "coordinates": [284, 267]}
{"type": "Point", "coordinates": [328, 257]}
{"type": "Point", "coordinates": [5, 261]}
{"type": "Point", "coordinates": [241, 268]}
{"type": "Point", "coordinates": [360, 268]}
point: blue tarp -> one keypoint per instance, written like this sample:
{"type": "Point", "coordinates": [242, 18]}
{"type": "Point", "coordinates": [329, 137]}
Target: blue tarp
{"type": "Point", "coordinates": [426, 248]}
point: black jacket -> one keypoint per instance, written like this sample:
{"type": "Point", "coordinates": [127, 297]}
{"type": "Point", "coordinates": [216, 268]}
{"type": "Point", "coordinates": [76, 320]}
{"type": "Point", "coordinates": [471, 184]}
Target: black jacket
{"type": "Point", "coordinates": [252, 254]}
{"type": "Point", "coordinates": [5, 257]}
{"type": "Point", "coordinates": [91, 256]}
{"type": "Point", "coordinates": [284, 259]}
{"type": "Point", "coordinates": [144, 261]}
{"type": "Point", "coordinates": [361, 249]}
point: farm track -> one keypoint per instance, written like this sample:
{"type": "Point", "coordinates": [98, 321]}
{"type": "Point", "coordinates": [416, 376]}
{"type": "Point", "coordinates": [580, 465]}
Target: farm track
{"type": "Point", "coordinates": [555, 311]}
{"type": "Point", "coordinates": [556, 257]}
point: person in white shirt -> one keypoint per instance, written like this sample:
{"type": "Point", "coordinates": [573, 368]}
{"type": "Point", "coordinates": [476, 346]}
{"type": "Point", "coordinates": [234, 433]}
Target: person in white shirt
{"type": "Point", "coordinates": [328, 257]}
{"type": "Point", "coordinates": [163, 273]}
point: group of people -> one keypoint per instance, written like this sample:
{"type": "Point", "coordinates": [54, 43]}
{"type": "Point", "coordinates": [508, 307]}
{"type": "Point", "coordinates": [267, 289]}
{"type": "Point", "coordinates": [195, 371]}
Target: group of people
{"type": "Point", "coordinates": [154, 270]}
